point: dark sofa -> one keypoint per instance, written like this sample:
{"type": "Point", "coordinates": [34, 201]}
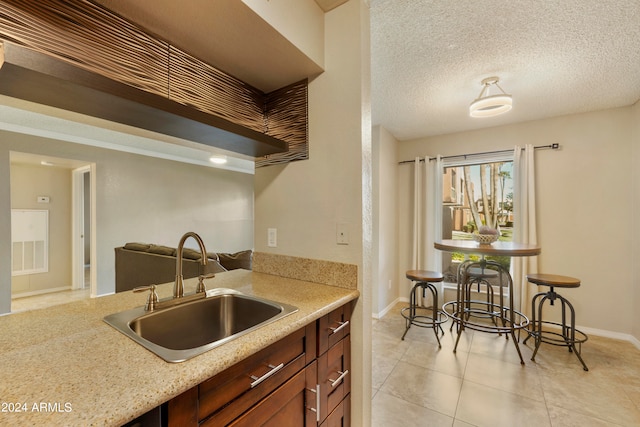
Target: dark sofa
{"type": "Point", "coordinates": [141, 264]}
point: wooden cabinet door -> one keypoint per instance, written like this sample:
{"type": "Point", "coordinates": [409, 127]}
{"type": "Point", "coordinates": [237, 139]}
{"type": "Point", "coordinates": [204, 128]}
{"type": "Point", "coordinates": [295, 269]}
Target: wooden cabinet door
{"type": "Point", "coordinates": [334, 376]}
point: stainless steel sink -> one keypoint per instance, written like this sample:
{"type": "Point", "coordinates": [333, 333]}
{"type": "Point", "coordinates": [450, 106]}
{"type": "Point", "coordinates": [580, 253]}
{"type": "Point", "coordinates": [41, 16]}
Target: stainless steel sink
{"type": "Point", "coordinates": [183, 331]}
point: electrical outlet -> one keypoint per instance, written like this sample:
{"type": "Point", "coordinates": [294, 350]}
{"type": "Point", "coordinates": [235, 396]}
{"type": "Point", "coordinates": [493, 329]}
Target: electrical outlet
{"type": "Point", "coordinates": [389, 286]}
{"type": "Point", "coordinates": [272, 237]}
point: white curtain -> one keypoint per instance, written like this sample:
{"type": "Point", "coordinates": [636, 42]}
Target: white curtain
{"type": "Point", "coordinates": [524, 228]}
{"type": "Point", "coordinates": [434, 213]}
{"type": "Point", "coordinates": [427, 215]}
{"type": "Point", "coordinates": [417, 251]}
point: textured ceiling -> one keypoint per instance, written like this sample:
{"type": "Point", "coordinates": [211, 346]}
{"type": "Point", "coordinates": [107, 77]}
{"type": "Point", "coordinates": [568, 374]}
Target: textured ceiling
{"type": "Point", "coordinates": [554, 58]}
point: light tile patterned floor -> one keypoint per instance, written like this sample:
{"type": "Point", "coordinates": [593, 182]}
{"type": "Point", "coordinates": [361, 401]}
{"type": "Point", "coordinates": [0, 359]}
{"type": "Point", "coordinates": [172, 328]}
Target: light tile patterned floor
{"type": "Point", "coordinates": [53, 298]}
{"type": "Point", "coordinates": [48, 300]}
{"type": "Point", "coordinates": [484, 384]}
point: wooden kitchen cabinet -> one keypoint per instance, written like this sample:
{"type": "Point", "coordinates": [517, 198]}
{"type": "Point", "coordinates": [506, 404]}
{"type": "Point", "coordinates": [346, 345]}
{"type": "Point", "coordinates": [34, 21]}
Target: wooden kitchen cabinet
{"type": "Point", "coordinates": [301, 380]}
{"type": "Point", "coordinates": [341, 415]}
{"type": "Point", "coordinates": [334, 360]}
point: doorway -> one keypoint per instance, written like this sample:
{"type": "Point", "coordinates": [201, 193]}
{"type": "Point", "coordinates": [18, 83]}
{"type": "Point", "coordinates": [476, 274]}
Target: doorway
{"type": "Point", "coordinates": [65, 189]}
{"type": "Point", "coordinates": [81, 235]}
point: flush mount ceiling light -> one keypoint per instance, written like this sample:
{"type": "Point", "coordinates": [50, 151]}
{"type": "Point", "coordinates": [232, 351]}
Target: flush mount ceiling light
{"type": "Point", "coordinates": [487, 105]}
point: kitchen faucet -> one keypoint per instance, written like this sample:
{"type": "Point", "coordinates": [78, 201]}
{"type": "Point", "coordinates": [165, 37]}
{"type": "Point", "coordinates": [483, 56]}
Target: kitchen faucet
{"type": "Point", "coordinates": [178, 286]}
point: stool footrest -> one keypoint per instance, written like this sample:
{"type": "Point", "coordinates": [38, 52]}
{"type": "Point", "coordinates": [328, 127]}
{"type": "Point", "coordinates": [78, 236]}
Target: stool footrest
{"type": "Point", "coordinates": [504, 320]}
{"type": "Point", "coordinates": [557, 338]}
{"type": "Point", "coordinates": [424, 320]}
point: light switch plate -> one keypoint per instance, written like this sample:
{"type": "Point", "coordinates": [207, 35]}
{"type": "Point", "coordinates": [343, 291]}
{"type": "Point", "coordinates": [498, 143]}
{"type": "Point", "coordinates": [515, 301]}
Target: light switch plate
{"type": "Point", "coordinates": [342, 234]}
{"type": "Point", "coordinates": [272, 237]}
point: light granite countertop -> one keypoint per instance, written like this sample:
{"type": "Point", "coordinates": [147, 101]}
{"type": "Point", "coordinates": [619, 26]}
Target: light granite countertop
{"type": "Point", "coordinates": [64, 366]}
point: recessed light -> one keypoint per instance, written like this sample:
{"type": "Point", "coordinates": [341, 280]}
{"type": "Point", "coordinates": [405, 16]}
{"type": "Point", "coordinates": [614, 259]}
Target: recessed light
{"type": "Point", "coordinates": [218, 160]}
{"type": "Point", "coordinates": [46, 163]}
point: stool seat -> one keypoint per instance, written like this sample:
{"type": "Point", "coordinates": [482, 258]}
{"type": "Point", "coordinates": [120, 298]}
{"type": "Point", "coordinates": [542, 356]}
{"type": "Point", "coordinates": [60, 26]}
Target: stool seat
{"type": "Point", "coordinates": [424, 276]}
{"type": "Point", "coordinates": [553, 280]}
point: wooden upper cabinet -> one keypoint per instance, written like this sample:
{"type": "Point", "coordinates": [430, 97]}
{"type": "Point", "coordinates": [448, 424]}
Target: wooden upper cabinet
{"type": "Point", "coordinates": [79, 56]}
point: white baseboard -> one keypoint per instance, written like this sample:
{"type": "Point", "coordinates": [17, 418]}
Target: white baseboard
{"type": "Point", "coordinates": [40, 292]}
{"type": "Point", "coordinates": [385, 310]}
{"type": "Point", "coordinates": [610, 334]}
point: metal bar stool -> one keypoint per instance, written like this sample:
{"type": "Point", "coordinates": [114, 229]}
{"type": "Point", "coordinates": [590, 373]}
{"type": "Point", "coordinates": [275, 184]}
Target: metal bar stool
{"type": "Point", "coordinates": [419, 316]}
{"type": "Point", "coordinates": [568, 336]}
{"type": "Point", "coordinates": [479, 276]}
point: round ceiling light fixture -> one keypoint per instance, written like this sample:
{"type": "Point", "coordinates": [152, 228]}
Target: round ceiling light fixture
{"type": "Point", "coordinates": [487, 105]}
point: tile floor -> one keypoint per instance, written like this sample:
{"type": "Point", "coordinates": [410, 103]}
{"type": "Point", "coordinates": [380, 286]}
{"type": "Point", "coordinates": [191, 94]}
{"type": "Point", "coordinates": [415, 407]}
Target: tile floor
{"type": "Point", "coordinates": [483, 383]}
{"type": "Point", "coordinates": [53, 298]}
{"type": "Point", "coordinates": [48, 300]}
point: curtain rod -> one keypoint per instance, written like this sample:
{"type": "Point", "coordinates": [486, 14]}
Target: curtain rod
{"type": "Point", "coordinates": [552, 146]}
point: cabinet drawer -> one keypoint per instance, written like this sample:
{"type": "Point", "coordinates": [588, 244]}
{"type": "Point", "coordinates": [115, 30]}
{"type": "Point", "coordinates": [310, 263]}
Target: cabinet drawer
{"type": "Point", "coordinates": [334, 376]}
{"type": "Point", "coordinates": [284, 407]}
{"type": "Point", "coordinates": [333, 327]}
{"type": "Point", "coordinates": [252, 379]}
{"type": "Point", "coordinates": [341, 416]}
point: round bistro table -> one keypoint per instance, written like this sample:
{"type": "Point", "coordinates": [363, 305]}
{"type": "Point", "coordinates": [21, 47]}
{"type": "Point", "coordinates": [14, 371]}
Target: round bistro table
{"type": "Point", "coordinates": [486, 316]}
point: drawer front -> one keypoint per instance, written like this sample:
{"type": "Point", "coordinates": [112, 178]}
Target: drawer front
{"type": "Point", "coordinates": [334, 376]}
{"type": "Point", "coordinates": [231, 392]}
{"type": "Point", "coordinates": [333, 327]}
{"type": "Point", "coordinates": [341, 416]}
{"type": "Point", "coordinates": [285, 406]}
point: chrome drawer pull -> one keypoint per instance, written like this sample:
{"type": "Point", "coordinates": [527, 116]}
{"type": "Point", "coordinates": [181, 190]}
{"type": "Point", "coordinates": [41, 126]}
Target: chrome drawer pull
{"type": "Point", "coordinates": [342, 325]}
{"type": "Point", "coordinates": [273, 370]}
{"type": "Point", "coordinates": [340, 378]}
{"type": "Point", "coordinates": [317, 408]}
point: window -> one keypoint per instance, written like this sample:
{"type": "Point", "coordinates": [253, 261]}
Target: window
{"type": "Point", "coordinates": [485, 197]}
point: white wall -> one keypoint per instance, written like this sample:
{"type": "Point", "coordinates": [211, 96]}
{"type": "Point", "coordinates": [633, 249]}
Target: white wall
{"type": "Point", "coordinates": [584, 203]}
{"type": "Point", "coordinates": [5, 233]}
{"type": "Point", "coordinates": [385, 224]}
{"type": "Point", "coordinates": [27, 183]}
{"type": "Point", "coordinates": [142, 199]}
{"type": "Point", "coordinates": [305, 200]}
{"type": "Point", "coordinates": [635, 253]}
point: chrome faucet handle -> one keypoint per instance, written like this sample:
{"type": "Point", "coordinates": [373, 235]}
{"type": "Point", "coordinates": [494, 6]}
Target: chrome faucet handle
{"type": "Point", "coordinates": [201, 287]}
{"type": "Point", "coordinates": [152, 301]}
